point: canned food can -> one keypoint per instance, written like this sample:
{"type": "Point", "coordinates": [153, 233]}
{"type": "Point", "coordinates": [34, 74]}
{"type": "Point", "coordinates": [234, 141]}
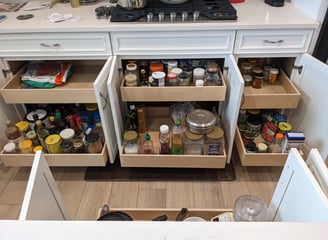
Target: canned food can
{"type": "Point", "coordinates": [53, 143]}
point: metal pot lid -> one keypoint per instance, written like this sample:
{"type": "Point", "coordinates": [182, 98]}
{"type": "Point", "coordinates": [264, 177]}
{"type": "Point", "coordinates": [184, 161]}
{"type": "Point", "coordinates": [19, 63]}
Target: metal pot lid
{"type": "Point", "coordinates": [201, 118]}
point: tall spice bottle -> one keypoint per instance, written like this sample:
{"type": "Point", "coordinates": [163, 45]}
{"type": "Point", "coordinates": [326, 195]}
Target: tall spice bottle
{"type": "Point", "coordinates": [42, 133]}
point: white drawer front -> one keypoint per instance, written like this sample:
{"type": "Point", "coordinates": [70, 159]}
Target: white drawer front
{"type": "Point", "coordinates": [183, 42]}
{"type": "Point", "coordinates": [55, 45]}
{"type": "Point", "coordinates": [272, 41]}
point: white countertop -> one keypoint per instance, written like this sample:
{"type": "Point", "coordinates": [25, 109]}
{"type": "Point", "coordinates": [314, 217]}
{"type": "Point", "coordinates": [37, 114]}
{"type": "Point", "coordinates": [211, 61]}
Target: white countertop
{"type": "Point", "coordinates": [87, 230]}
{"type": "Point", "coordinates": [252, 14]}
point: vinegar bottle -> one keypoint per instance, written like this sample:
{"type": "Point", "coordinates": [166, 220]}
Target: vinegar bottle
{"type": "Point", "coordinates": [148, 145]}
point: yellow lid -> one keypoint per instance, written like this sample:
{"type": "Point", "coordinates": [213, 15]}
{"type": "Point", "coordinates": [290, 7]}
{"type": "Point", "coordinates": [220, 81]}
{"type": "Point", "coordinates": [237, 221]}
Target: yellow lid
{"type": "Point", "coordinates": [217, 133]}
{"type": "Point", "coordinates": [53, 139]}
{"type": "Point", "coordinates": [285, 126]}
{"type": "Point", "coordinates": [37, 148]}
{"type": "Point", "coordinates": [91, 106]}
{"type": "Point", "coordinates": [192, 136]}
{"type": "Point", "coordinates": [254, 111]}
{"type": "Point", "coordinates": [22, 125]}
{"type": "Point", "coordinates": [130, 136]}
{"type": "Point", "coordinates": [25, 144]}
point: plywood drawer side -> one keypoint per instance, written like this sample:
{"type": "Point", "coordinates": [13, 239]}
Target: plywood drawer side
{"type": "Point", "coordinates": [257, 159]}
{"type": "Point", "coordinates": [62, 160]}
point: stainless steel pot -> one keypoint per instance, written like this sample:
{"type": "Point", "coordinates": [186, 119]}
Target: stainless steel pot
{"type": "Point", "coordinates": [132, 4]}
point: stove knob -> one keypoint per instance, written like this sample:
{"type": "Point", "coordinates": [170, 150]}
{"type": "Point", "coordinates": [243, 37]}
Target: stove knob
{"type": "Point", "coordinates": [150, 17]}
{"type": "Point", "coordinates": [195, 16]}
{"type": "Point", "coordinates": [172, 16]}
{"type": "Point", "coordinates": [161, 17]}
{"type": "Point", "coordinates": [184, 16]}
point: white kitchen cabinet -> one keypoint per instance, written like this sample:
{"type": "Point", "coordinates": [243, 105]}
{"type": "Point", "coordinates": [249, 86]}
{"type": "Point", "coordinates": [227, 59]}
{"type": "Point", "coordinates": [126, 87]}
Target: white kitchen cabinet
{"type": "Point", "coordinates": [87, 85]}
{"type": "Point", "coordinates": [226, 98]}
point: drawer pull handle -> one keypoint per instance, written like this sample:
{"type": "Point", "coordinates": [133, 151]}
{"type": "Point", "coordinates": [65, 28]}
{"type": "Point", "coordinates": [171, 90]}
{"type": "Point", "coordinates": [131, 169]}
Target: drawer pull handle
{"type": "Point", "coordinates": [49, 46]}
{"type": "Point", "coordinates": [273, 42]}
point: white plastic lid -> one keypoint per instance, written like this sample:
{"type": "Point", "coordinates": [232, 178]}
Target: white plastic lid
{"type": "Point", "coordinates": [199, 71]}
{"type": "Point", "coordinates": [176, 70]}
{"type": "Point", "coordinates": [67, 133]}
{"type": "Point", "coordinates": [199, 83]}
{"type": "Point", "coordinates": [158, 75]}
{"type": "Point", "coordinates": [9, 147]}
{"type": "Point", "coordinates": [131, 66]}
{"type": "Point", "coordinates": [164, 129]}
{"type": "Point", "coordinates": [274, 70]}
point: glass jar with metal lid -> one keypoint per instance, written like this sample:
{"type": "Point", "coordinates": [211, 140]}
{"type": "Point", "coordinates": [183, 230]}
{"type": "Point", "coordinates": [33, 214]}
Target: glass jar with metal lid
{"type": "Point", "coordinates": [246, 68]}
{"type": "Point", "coordinates": [200, 121]}
{"type": "Point", "coordinates": [214, 142]}
{"type": "Point", "coordinates": [93, 142]}
{"type": "Point", "coordinates": [193, 143]}
{"type": "Point", "coordinates": [184, 79]}
{"type": "Point", "coordinates": [212, 77]}
{"type": "Point", "coordinates": [130, 142]}
{"type": "Point", "coordinates": [78, 146]}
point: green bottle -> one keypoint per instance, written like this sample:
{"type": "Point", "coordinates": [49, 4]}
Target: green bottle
{"type": "Point", "coordinates": [177, 138]}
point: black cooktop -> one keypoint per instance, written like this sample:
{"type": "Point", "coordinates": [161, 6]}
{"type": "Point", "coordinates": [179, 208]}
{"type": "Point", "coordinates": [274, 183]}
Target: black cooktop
{"type": "Point", "coordinates": [197, 10]}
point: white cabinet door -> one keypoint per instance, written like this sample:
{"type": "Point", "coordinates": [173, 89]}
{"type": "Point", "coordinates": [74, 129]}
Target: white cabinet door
{"type": "Point", "coordinates": [298, 196]}
{"type": "Point", "coordinates": [104, 107]}
{"type": "Point", "coordinates": [235, 87]}
{"type": "Point", "coordinates": [42, 200]}
{"type": "Point", "coordinates": [115, 100]}
{"type": "Point", "coordinates": [311, 114]}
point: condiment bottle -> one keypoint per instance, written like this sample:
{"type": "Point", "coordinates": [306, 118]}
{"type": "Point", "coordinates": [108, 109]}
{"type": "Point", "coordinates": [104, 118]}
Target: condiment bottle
{"type": "Point", "coordinates": [148, 145]}
{"type": "Point", "coordinates": [164, 139]}
{"type": "Point", "coordinates": [42, 133]}
{"type": "Point", "coordinates": [177, 138]}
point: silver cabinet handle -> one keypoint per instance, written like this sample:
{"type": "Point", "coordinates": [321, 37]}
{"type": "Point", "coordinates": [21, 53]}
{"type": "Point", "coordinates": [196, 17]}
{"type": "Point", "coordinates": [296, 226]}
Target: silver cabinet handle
{"type": "Point", "coordinates": [273, 42]}
{"type": "Point", "coordinates": [49, 46]}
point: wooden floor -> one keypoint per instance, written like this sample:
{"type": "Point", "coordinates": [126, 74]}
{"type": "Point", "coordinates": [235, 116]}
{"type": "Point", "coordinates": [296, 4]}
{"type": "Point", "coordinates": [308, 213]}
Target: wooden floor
{"type": "Point", "coordinates": [83, 199]}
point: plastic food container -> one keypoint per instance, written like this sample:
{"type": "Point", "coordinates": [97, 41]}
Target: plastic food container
{"type": "Point", "coordinates": [249, 208]}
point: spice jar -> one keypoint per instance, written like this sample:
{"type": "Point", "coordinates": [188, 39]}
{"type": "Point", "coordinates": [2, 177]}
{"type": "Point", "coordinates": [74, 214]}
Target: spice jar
{"type": "Point", "coordinates": [246, 68]}
{"type": "Point", "coordinates": [130, 142]}
{"type": "Point", "coordinates": [93, 142]}
{"type": "Point", "coordinates": [262, 148]}
{"type": "Point", "coordinates": [26, 146]}
{"type": "Point", "coordinates": [183, 79]}
{"type": "Point", "coordinates": [78, 146]}
{"type": "Point", "coordinates": [193, 143]}
{"type": "Point", "coordinates": [257, 81]}
{"type": "Point", "coordinates": [273, 75]}
{"type": "Point", "coordinates": [23, 127]}
{"type": "Point", "coordinates": [198, 73]}
{"type": "Point", "coordinates": [214, 142]}
{"type": "Point", "coordinates": [248, 80]}
{"type": "Point", "coordinates": [66, 146]}
{"type": "Point", "coordinates": [212, 77]}
{"type": "Point", "coordinates": [171, 64]}
{"type": "Point", "coordinates": [131, 75]}
{"type": "Point", "coordinates": [172, 79]}
{"type": "Point", "coordinates": [10, 148]}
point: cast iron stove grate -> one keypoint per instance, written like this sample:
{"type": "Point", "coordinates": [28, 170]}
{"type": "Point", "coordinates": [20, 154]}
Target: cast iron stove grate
{"type": "Point", "coordinates": [209, 10]}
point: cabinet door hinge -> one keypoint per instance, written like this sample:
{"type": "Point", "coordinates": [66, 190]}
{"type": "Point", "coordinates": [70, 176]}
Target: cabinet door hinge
{"type": "Point", "coordinates": [299, 68]}
{"type": "Point", "coordinates": [5, 72]}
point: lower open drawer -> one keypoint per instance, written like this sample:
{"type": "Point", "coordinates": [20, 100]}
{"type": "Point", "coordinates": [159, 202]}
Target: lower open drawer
{"type": "Point", "coordinates": [171, 161]}
{"type": "Point", "coordinates": [58, 160]}
{"type": "Point", "coordinates": [258, 159]}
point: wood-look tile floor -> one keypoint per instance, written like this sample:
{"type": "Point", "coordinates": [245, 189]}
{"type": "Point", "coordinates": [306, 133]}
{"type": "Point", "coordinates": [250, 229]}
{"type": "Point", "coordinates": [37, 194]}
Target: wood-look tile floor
{"type": "Point", "coordinates": [83, 198]}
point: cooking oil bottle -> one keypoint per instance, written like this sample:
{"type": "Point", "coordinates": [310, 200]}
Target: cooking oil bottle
{"type": "Point", "coordinates": [177, 138]}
